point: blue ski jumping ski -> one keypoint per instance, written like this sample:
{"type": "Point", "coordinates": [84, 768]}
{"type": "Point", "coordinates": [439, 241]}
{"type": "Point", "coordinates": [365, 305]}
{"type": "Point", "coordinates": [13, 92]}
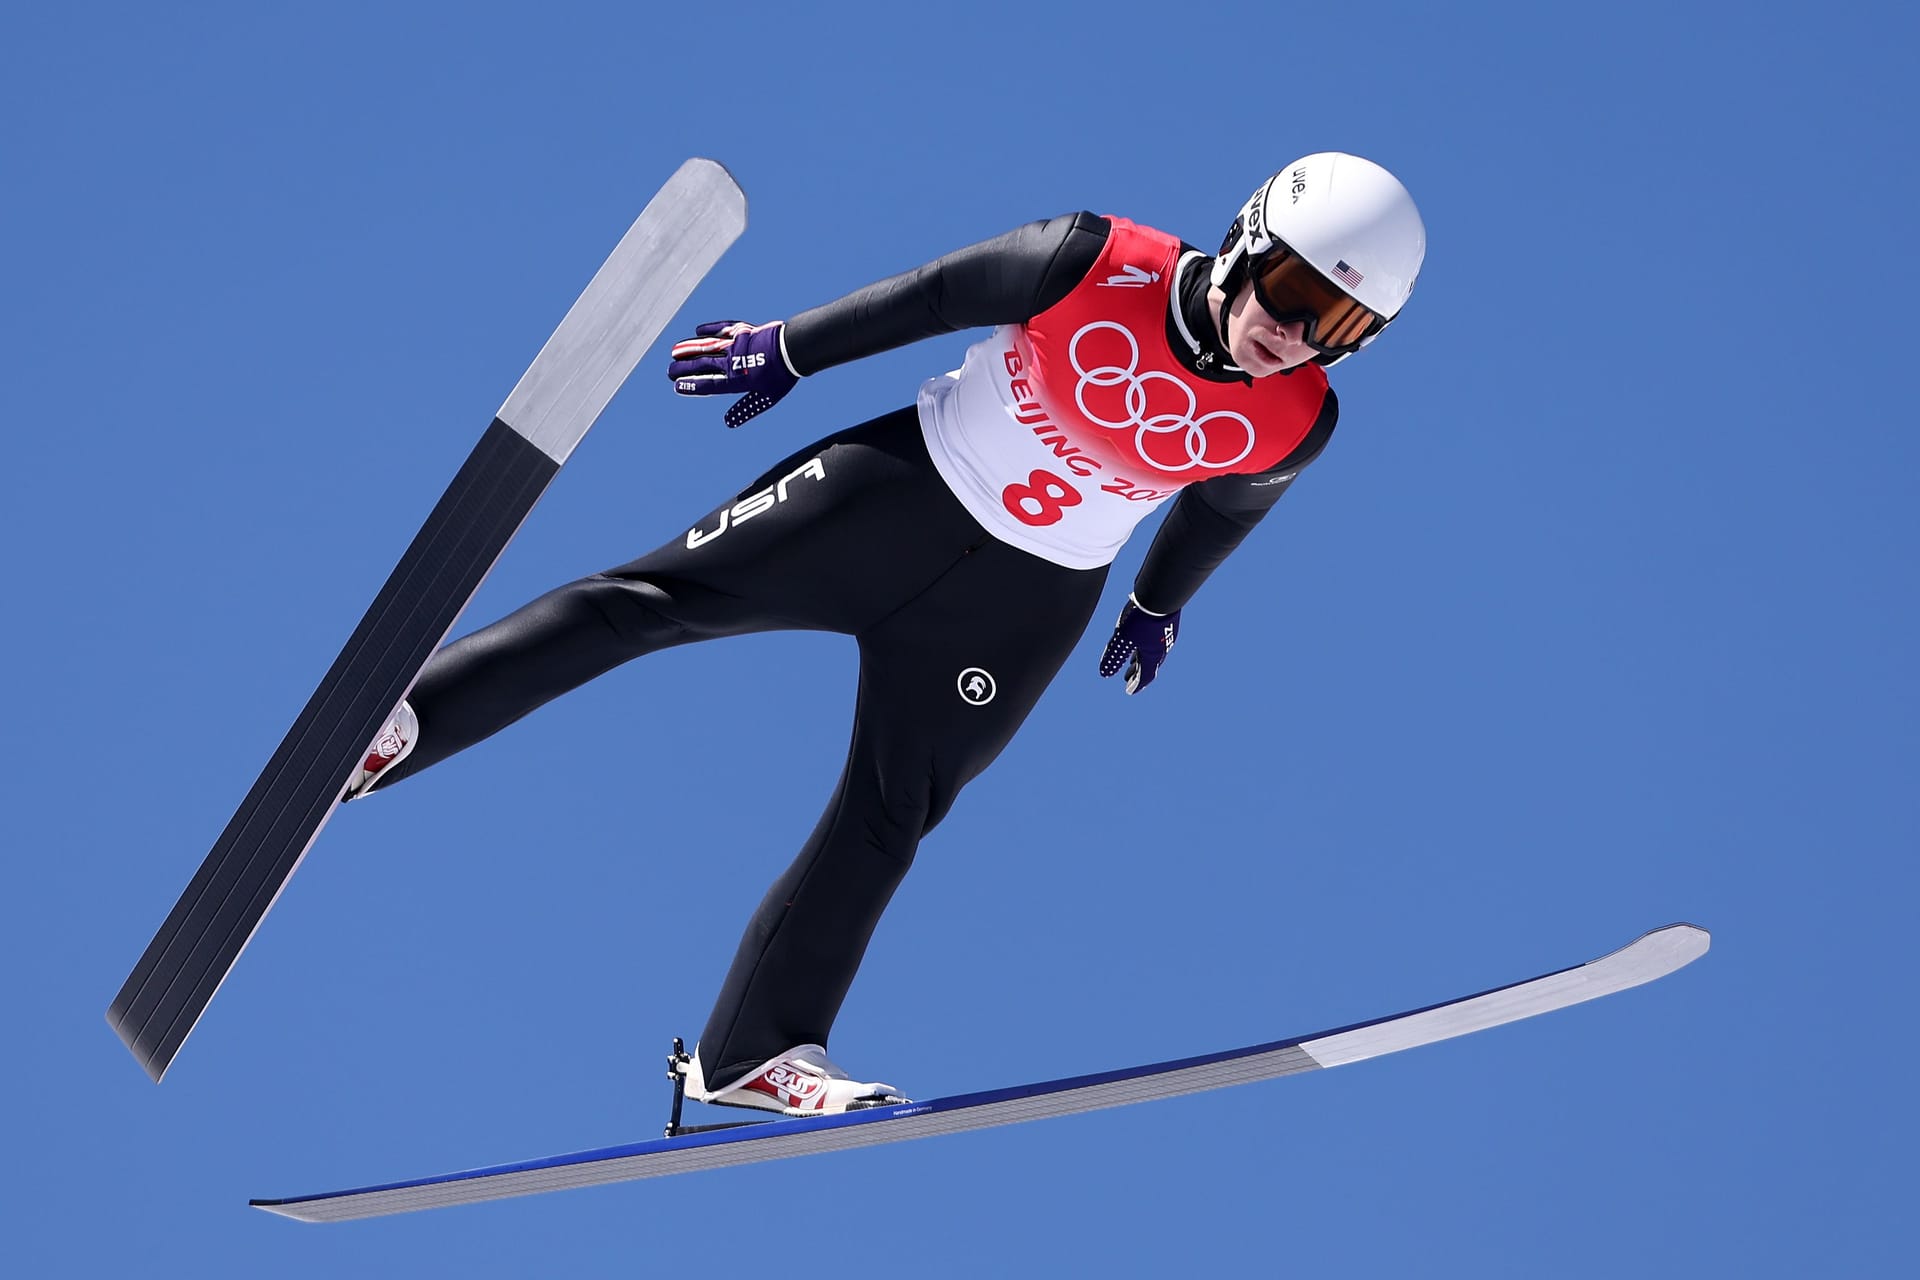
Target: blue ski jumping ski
{"type": "Point", "coordinates": [1654, 955]}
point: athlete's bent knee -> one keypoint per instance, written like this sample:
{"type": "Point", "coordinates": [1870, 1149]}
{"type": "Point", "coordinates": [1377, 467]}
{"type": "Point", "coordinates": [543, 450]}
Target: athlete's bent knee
{"type": "Point", "coordinates": [896, 823]}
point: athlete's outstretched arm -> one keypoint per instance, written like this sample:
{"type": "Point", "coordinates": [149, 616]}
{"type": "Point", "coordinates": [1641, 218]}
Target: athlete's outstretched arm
{"type": "Point", "coordinates": [1006, 280]}
{"type": "Point", "coordinates": [1209, 519]}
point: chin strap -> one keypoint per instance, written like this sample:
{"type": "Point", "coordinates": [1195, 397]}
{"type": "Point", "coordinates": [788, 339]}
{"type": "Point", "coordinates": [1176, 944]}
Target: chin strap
{"type": "Point", "coordinates": [1236, 275]}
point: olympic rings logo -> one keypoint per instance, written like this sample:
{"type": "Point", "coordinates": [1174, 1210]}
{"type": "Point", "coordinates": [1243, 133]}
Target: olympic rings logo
{"type": "Point", "coordinates": [1168, 417]}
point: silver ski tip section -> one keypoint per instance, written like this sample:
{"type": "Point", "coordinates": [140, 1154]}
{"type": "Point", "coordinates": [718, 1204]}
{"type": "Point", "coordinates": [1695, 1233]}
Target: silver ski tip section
{"type": "Point", "coordinates": [1650, 956]}
{"type": "Point", "coordinates": [645, 280]}
{"type": "Point", "coordinates": [1678, 945]}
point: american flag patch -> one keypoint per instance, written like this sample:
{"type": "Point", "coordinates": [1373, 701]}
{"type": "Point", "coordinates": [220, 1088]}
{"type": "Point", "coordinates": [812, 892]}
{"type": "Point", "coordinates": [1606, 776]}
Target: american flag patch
{"type": "Point", "coordinates": [1346, 275]}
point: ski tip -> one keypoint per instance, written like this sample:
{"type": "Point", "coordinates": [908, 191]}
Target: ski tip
{"type": "Point", "coordinates": [711, 165]}
{"type": "Point", "coordinates": [1669, 947]}
{"type": "Point", "coordinates": [716, 178]}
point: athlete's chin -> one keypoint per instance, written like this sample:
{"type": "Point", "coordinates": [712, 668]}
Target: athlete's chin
{"type": "Point", "coordinates": [1260, 361]}
{"type": "Point", "coordinates": [1256, 360]}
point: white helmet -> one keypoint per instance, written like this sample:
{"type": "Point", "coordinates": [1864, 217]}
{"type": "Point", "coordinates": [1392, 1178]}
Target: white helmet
{"type": "Point", "coordinates": [1348, 219]}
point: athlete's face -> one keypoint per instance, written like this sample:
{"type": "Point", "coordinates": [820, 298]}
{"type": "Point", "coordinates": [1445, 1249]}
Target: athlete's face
{"type": "Point", "coordinates": [1255, 340]}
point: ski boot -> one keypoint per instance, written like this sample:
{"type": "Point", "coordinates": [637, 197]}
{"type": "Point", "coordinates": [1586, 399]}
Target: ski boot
{"type": "Point", "coordinates": [389, 749]}
{"type": "Point", "coordinates": [803, 1081]}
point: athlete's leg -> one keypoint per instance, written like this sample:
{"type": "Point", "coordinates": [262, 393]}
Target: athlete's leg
{"type": "Point", "coordinates": [944, 683]}
{"type": "Point", "coordinates": [826, 540]}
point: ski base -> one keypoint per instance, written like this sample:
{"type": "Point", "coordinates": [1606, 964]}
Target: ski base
{"type": "Point", "coordinates": [1652, 956]}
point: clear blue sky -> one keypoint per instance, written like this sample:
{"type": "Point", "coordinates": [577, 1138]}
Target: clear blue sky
{"type": "Point", "coordinates": [1598, 614]}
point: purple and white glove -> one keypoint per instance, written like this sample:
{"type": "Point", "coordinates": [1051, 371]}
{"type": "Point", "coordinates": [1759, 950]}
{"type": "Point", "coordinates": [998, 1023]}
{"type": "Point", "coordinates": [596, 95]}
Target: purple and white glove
{"type": "Point", "coordinates": [1143, 636]}
{"type": "Point", "coordinates": [732, 357]}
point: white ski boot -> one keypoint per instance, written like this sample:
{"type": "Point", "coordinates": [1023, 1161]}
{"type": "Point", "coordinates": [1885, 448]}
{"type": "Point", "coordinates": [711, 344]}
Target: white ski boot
{"type": "Point", "coordinates": [389, 749]}
{"type": "Point", "coordinates": [800, 1082]}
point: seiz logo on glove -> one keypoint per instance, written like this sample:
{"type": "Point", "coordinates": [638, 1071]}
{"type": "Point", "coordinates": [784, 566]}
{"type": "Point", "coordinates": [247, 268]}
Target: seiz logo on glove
{"type": "Point", "coordinates": [732, 357]}
{"type": "Point", "coordinates": [1145, 638]}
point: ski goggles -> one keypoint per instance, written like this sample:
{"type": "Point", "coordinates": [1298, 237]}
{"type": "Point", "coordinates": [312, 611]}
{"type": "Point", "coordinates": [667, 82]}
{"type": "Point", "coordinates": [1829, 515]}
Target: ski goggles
{"type": "Point", "coordinates": [1336, 324]}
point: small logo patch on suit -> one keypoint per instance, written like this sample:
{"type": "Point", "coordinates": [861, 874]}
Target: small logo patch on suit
{"type": "Point", "coordinates": [977, 687]}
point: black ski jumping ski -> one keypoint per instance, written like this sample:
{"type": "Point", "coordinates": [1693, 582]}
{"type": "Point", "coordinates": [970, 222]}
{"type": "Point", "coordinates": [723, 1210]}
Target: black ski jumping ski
{"type": "Point", "coordinates": [659, 261]}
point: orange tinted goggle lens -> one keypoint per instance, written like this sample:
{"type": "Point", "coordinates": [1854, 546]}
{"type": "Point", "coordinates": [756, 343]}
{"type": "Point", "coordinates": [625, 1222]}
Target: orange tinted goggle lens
{"type": "Point", "coordinates": [1288, 288]}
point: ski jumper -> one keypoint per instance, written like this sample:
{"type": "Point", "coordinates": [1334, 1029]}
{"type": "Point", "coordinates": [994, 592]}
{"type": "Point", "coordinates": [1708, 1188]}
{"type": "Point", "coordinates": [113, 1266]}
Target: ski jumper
{"type": "Point", "coordinates": [962, 543]}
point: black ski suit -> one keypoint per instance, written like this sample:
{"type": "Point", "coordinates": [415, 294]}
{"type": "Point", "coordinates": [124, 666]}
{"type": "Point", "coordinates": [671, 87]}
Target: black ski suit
{"type": "Point", "coordinates": [959, 633]}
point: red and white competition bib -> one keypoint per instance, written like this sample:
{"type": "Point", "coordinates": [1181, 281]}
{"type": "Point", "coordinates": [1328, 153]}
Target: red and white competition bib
{"type": "Point", "coordinates": [1059, 435]}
